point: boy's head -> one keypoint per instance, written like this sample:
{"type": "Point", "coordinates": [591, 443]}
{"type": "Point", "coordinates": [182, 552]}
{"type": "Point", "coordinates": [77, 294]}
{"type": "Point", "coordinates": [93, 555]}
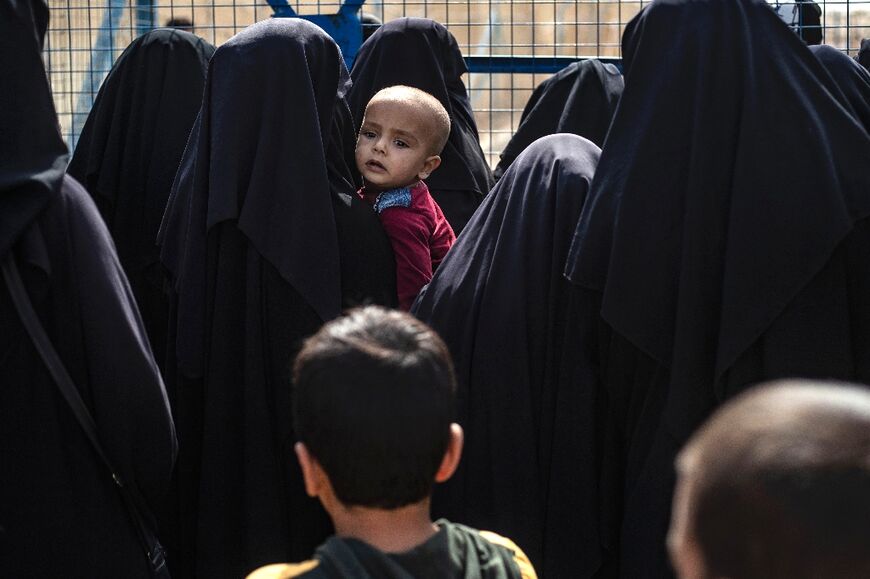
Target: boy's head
{"type": "Point", "coordinates": [401, 137]}
{"type": "Point", "coordinates": [374, 410]}
{"type": "Point", "coordinates": [777, 484]}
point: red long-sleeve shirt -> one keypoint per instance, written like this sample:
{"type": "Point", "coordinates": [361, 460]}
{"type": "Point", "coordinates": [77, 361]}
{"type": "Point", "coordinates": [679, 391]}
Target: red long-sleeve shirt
{"type": "Point", "coordinates": [418, 232]}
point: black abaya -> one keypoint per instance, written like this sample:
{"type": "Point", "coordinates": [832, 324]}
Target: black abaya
{"type": "Point", "coordinates": [505, 310]}
{"type": "Point", "coordinates": [721, 241]}
{"type": "Point", "coordinates": [421, 53]}
{"type": "Point", "coordinates": [850, 77]}
{"type": "Point", "coordinates": [61, 514]}
{"type": "Point", "coordinates": [579, 99]}
{"type": "Point", "coordinates": [129, 150]}
{"type": "Point", "coordinates": [264, 240]}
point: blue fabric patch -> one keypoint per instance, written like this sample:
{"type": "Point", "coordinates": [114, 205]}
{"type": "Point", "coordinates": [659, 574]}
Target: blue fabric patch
{"type": "Point", "coordinates": [393, 198]}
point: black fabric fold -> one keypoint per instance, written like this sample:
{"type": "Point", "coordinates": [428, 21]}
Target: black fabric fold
{"type": "Point", "coordinates": [422, 53]}
{"type": "Point", "coordinates": [850, 77]}
{"type": "Point", "coordinates": [697, 233]}
{"type": "Point", "coordinates": [580, 99]}
{"type": "Point", "coordinates": [34, 156]}
{"type": "Point", "coordinates": [863, 56]}
{"type": "Point", "coordinates": [501, 304]}
{"type": "Point", "coordinates": [129, 151]}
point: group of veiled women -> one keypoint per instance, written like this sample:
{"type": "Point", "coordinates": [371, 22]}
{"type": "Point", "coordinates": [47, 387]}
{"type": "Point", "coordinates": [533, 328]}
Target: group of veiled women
{"type": "Point", "coordinates": [598, 304]}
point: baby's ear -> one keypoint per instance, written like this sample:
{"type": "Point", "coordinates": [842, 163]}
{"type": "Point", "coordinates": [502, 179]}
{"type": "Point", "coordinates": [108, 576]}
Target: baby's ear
{"type": "Point", "coordinates": [429, 165]}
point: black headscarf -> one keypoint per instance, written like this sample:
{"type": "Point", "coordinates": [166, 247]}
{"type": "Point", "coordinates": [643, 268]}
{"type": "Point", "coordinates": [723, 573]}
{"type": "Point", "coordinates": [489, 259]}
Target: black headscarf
{"type": "Point", "coordinates": [34, 156]}
{"type": "Point", "coordinates": [852, 79]}
{"type": "Point", "coordinates": [579, 99]}
{"type": "Point", "coordinates": [863, 57]}
{"type": "Point", "coordinates": [264, 239]}
{"type": "Point", "coordinates": [504, 309]}
{"type": "Point", "coordinates": [730, 175]}
{"type": "Point", "coordinates": [129, 151]}
{"type": "Point", "coordinates": [421, 53]}
{"type": "Point", "coordinates": [244, 143]}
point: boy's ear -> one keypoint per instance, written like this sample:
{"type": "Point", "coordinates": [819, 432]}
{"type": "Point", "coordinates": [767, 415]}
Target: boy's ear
{"type": "Point", "coordinates": [312, 472]}
{"type": "Point", "coordinates": [450, 462]}
{"type": "Point", "coordinates": [429, 165]}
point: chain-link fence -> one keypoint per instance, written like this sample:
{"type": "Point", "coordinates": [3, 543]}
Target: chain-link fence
{"type": "Point", "coordinates": [86, 36]}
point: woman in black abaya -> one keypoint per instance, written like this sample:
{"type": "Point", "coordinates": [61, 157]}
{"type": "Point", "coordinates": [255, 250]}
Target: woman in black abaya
{"type": "Point", "coordinates": [851, 77]}
{"type": "Point", "coordinates": [264, 239]}
{"type": "Point", "coordinates": [580, 99]}
{"type": "Point", "coordinates": [505, 310]}
{"type": "Point", "coordinates": [725, 241]}
{"type": "Point", "coordinates": [421, 53]}
{"type": "Point", "coordinates": [129, 150]}
{"type": "Point", "coordinates": [61, 515]}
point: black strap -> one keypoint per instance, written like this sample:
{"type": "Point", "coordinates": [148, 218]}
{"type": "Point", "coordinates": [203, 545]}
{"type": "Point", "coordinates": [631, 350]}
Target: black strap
{"type": "Point", "coordinates": [70, 393]}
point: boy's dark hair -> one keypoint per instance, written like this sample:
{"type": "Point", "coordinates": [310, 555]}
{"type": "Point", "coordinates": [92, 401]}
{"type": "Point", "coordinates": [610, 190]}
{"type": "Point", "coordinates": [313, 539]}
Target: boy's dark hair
{"type": "Point", "coordinates": [779, 484]}
{"type": "Point", "coordinates": [373, 403]}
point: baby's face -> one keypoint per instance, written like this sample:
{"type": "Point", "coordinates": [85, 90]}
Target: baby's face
{"type": "Point", "coordinates": [393, 149]}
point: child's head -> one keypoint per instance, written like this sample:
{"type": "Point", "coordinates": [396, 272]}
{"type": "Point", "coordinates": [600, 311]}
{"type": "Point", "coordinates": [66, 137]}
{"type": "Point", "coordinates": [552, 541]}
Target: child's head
{"type": "Point", "coordinates": [776, 484]}
{"type": "Point", "coordinates": [374, 410]}
{"type": "Point", "coordinates": [401, 137]}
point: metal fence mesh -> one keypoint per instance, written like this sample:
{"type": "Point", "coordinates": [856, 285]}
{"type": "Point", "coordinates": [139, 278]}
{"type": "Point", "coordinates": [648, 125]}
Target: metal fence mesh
{"type": "Point", "coordinates": [86, 36]}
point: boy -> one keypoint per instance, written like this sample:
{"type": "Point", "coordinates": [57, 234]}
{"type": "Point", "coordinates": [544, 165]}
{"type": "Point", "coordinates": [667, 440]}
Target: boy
{"type": "Point", "coordinates": [403, 131]}
{"type": "Point", "coordinates": [373, 408]}
{"type": "Point", "coordinates": [777, 484]}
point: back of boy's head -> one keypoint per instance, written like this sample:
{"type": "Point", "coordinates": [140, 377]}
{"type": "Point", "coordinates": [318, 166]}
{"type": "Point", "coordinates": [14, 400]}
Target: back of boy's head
{"type": "Point", "coordinates": [779, 484]}
{"type": "Point", "coordinates": [373, 404]}
{"type": "Point", "coordinates": [426, 106]}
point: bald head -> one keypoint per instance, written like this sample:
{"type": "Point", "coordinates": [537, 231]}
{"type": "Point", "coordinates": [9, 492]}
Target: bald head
{"type": "Point", "coordinates": [426, 109]}
{"type": "Point", "coordinates": [777, 484]}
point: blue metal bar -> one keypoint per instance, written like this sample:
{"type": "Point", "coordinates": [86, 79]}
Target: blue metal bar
{"type": "Point", "coordinates": [146, 16]}
{"type": "Point", "coordinates": [345, 26]}
{"type": "Point", "coordinates": [346, 29]}
{"type": "Point", "coordinates": [527, 64]}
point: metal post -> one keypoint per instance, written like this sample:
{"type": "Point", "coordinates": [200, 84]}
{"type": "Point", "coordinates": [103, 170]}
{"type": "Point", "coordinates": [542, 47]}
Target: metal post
{"type": "Point", "coordinates": [146, 16]}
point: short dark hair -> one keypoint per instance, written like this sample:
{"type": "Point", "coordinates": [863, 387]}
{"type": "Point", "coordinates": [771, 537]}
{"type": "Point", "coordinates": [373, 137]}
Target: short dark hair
{"type": "Point", "coordinates": [373, 403]}
{"type": "Point", "coordinates": [181, 22]}
{"type": "Point", "coordinates": [779, 483]}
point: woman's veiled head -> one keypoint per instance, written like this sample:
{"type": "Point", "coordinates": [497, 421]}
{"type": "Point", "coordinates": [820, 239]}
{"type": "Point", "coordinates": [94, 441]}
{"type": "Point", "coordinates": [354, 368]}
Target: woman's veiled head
{"type": "Point", "coordinates": [262, 71]}
{"type": "Point", "coordinates": [32, 153]}
{"type": "Point", "coordinates": [259, 156]}
{"type": "Point", "coordinates": [416, 52]}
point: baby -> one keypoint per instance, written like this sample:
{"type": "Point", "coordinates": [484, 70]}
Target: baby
{"type": "Point", "coordinates": [403, 131]}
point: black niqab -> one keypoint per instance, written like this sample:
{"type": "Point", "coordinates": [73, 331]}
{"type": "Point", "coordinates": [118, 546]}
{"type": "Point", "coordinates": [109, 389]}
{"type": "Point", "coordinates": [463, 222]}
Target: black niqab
{"type": "Point", "coordinates": [34, 156]}
{"type": "Point", "coordinates": [852, 79]}
{"type": "Point", "coordinates": [421, 53]}
{"type": "Point", "coordinates": [580, 99]}
{"type": "Point", "coordinates": [264, 239]}
{"type": "Point", "coordinates": [693, 279]}
{"type": "Point", "coordinates": [61, 513]}
{"type": "Point", "coordinates": [723, 241]}
{"type": "Point", "coordinates": [129, 152]}
{"type": "Point", "coordinates": [505, 311]}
